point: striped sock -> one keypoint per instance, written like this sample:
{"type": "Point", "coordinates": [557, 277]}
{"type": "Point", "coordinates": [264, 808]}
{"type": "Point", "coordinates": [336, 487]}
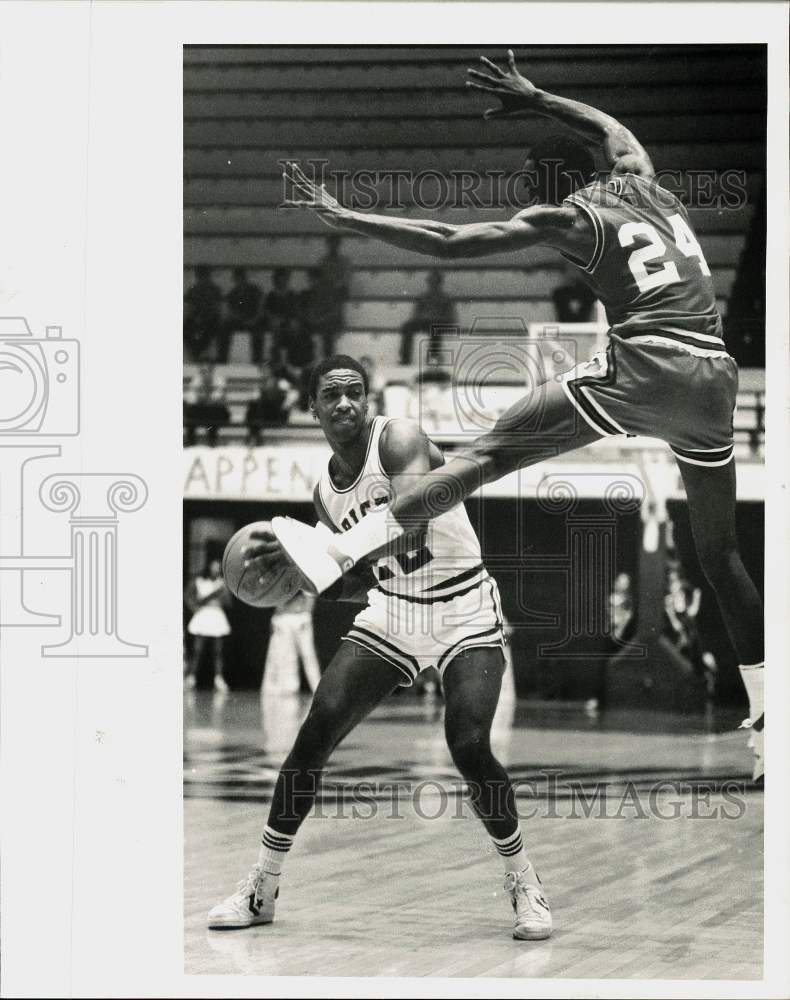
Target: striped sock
{"type": "Point", "coordinates": [512, 852]}
{"type": "Point", "coordinates": [753, 682]}
{"type": "Point", "coordinates": [273, 850]}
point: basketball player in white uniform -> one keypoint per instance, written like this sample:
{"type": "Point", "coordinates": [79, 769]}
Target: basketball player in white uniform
{"type": "Point", "coordinates": [432, 605]}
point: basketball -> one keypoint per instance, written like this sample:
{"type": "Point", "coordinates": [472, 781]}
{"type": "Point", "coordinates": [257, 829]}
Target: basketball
{"type": "Point", "coordinates": [256, 584]}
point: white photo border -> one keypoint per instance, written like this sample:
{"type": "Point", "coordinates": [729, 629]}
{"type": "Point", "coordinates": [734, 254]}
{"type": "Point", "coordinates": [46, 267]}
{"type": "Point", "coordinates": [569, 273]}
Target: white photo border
{"type": "Point", "coordinates": [91, 194]}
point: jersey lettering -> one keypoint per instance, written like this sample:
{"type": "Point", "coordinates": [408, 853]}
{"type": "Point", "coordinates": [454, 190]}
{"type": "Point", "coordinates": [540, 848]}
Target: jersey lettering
{"type": "Point", "coordinates": [448, 546]}
{"type": "Point", "coordinates": [364, 507]}
{"type": "Point", "coordinates": [686, 241]}
{"type": "Point", "coordinates": [409, 562]}
{"type": "Point", "coordinates": [667, 274]}
{"type": "Point", "coordinates": [649, 271]}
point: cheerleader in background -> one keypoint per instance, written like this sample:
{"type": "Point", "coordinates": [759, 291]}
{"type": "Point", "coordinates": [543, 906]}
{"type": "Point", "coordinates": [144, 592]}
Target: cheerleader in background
{"type": "Point", "coordinates": [206, 597]}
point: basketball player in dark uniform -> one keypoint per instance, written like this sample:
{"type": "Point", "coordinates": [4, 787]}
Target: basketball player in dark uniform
{"type": "Point", "coordinates": [666, 372]}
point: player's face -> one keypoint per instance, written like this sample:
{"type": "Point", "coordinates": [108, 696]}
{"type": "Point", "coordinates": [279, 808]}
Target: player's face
{"type": "Point", "coordinates": [341, 404]}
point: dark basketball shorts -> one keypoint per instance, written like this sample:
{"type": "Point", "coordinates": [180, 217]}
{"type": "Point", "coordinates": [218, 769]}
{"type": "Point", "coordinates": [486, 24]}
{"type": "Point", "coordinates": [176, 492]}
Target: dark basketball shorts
{"type": "Point", "coordinates": [653, 388]}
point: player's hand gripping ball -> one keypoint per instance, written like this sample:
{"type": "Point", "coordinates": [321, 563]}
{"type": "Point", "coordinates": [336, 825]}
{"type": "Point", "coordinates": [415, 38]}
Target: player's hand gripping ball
{"type": "Point", "coordinates": [262, 583]}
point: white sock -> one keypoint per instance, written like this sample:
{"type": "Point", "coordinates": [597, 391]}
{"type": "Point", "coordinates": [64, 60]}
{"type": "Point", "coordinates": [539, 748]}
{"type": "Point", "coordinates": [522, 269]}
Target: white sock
{"type": "Point", "coordinates": [512, 852]}
{"type": "Point", "coordinates": [273, 851]}
{"type": "Point", "coordinates": [753, 681]}
{"type": "Point", "coordinates": [373, 531]}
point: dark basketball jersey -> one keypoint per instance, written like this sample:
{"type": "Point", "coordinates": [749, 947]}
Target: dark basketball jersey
{"type": "Point", "coordinates": [647, 267]}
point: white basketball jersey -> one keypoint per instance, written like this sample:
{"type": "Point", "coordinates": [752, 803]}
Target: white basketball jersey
{"type": "Point", "coordinates": [448, 563]}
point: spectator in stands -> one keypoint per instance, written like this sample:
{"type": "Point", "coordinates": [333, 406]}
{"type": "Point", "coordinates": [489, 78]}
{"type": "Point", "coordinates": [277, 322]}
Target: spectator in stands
{"type": "Point", "coordinates": [621, 608]}
{"type": "Point", "coordinates": [682, 604]}
{"type": "Point", "coordinates": [574, 302]}
{"type": "Point", "coordinates": [204, 406]}
{"type": "Point", "coordinates": [432, 310]}
{"type": "Point", "coordinates": [275, 401]}
{"type": "Point", "coordinates": [202, 315]}
{"type": "Point", "coordinates": [331, 288]}
{"type": "Point", "coordinates": [281, 367]}
{"type": "Point", "coordinates": [297, 375]}
{"type": "Point", "coordinates": [281, 313]}
{"type": "Point", "coordinates": [242, 309]}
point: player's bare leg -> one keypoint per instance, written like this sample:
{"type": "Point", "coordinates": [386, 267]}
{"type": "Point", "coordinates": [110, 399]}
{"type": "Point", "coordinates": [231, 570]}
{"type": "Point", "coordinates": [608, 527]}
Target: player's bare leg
{"type": "Point", "coordinates": [220, 684]}
{"type": "Point", "coordinates": [351, 687]}
{"type": "Point", "coordinates": [472, 683]}
{"type": "Point", "coordinates": [540, 426]}
{"type": "Point", "coordinates": [711, 499]}
{"type": "Point", "coordinates": [190, 676]}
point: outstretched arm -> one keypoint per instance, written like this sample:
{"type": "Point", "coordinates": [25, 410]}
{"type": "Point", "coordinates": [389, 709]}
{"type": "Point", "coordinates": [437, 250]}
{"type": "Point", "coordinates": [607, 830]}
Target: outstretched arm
{"type": "Point", "coordinates": [623, 152]}
{"type": "Point", "coordinates": [542, 224]}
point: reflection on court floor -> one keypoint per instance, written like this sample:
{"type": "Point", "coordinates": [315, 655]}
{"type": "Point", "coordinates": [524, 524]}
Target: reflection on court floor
{"type": "Point", "coordinates": [643, 827]}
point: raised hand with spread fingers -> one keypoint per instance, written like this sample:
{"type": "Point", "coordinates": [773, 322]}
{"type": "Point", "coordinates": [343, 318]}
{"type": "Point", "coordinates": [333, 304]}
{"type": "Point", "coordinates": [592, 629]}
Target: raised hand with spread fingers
{"type": "Point", "coordinates": [313, 196]}
{"type": "Point", "coordinates": [516, 93]}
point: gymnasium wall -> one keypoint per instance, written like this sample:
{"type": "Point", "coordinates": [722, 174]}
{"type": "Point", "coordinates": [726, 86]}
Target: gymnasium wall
{"type": "Point", "coordinates": [405, 110]}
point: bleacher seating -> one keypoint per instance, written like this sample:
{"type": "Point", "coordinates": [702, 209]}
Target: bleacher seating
{"type": "Point", "coordinates": [249, 108]}
{"type": "Point", "coordinates": [238, 386]}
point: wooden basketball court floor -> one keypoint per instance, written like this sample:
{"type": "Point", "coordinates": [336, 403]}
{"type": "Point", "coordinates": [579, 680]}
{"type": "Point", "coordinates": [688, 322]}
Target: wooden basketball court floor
{"type": "Point", "coordinates": [659, 876]}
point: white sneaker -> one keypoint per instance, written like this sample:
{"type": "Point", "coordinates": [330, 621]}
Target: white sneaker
{"type": "Point", "coordinates": [532, 916]}
{"type": "Point", "coordinates": [252, 903]}
{"type": "Point", "coordinates": [756, 744]}
{"type": "Point", "coordinates": [313, 551]}
{"type": "Point", "coordinates": [220, 684]}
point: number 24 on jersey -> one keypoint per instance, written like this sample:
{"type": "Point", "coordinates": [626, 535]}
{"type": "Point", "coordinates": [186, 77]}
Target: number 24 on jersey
{"type": "Point", "coordinates": [667, 274]}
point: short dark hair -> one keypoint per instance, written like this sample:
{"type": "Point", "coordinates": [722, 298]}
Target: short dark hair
{"type": "Point", "coordinates": [563, 164]}
{"type": "Point", "coordinates": [330, 364]}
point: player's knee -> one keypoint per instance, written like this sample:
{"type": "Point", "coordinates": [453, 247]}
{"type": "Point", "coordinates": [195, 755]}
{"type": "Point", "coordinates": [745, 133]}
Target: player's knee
{"type": "Point", "coordinates": [320, 731]}
{"type": "Point", "coordinates": [470, 749]}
